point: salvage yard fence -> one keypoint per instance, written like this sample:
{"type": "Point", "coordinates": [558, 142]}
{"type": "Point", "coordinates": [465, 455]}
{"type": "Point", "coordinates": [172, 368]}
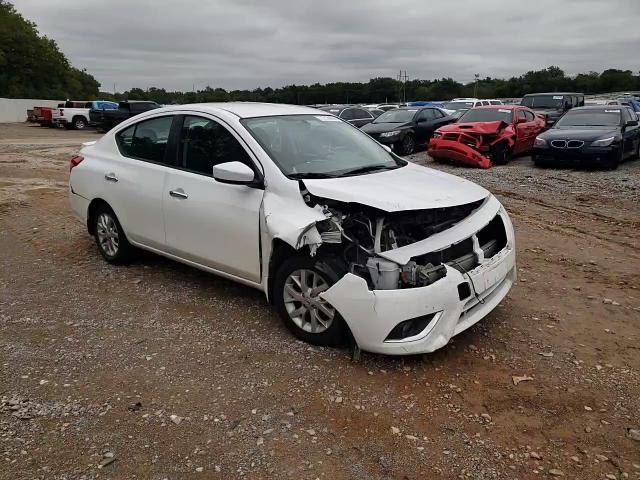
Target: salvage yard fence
{"type": "Point", "coordinates": [15, 109]}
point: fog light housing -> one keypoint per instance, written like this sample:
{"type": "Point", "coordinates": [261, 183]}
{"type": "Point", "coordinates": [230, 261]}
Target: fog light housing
{"type": "Point", "coordinates": [410, 328]}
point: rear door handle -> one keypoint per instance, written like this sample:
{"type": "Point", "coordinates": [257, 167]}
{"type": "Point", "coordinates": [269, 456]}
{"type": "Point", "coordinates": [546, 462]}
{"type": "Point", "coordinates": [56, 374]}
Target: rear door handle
{"type": "Point", "coordinates": [178, 193]}
{"type": "Point", "coordinates": [111, 177]}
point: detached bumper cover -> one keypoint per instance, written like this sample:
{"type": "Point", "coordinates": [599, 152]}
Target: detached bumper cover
{"type": "Point", "coordinates": [458, 152]}
{"type": "Point", "coordinates": [373, 314]}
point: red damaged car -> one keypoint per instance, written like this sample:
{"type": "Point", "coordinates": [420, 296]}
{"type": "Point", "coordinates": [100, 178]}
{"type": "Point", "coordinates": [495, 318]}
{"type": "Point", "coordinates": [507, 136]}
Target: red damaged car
{"type": "Point", "coordinates": [487, 135]}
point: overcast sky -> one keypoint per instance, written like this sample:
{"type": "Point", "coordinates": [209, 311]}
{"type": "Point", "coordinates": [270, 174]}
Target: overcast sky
{"type": "Point", "coordinates": [238, 44]}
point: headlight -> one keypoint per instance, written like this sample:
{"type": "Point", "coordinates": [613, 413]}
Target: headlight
{"type": "Point", "coordinates": [603, 142]}
{"type": "Point", "coordinates": [437, 135]}
{"type": "Point", "coordinates": [390, 134]}
{"type": "Point", "coordinates": [540, 142]}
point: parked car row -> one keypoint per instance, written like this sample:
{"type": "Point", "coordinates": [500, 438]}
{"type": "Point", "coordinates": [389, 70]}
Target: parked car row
{"type": "Point", "coordinates": [79, 115]}
{"type": "Point", "coordinates": [555, 128]}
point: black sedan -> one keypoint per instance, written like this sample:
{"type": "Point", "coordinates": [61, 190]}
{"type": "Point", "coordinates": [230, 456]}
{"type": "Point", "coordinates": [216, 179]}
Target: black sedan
{"type": "Point", "coordinates": [595, 135]}
{"type": "Point", "coordinates": [404, 129]}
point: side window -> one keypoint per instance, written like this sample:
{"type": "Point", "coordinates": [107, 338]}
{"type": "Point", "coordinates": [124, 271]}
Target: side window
{"type": "Point", "coordinates": [437, 113]}
{"type": "Point", "coordinates": [146, 140]}
{"type": "Point", "coordinates": [495, 102]}
{"type": "Point", "coordinates": [521, 115]}
{"type": "Point", "coordinates": [530, 116]}
{"type": "Point", "coordinates": [205, 143]}
{"type": "Point", "coordinates": [348, 114]}
{"type": "Point", "coordinates": [485, 103]}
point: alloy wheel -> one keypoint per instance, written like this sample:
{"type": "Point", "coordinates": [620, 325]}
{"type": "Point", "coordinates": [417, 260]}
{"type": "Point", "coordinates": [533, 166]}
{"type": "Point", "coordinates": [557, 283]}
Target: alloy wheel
{"type": "Point", "coordinates": [302, 301]}
{"type": "Point", "coordinates": [108, 236]}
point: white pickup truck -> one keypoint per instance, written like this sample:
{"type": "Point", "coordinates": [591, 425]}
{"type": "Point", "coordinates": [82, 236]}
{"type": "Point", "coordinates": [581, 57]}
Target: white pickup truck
{"type": "Point", "coordinates": [76, 114]}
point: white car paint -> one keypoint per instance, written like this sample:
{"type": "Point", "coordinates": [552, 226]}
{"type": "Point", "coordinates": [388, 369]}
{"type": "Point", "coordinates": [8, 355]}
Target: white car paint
{"type": "Point", "coordinates": [230, 229]}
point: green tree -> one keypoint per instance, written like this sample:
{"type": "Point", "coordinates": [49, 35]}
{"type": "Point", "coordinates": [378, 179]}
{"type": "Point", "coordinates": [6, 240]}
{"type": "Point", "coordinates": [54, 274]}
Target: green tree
{"type": "Point", "coordinates": [32, 66]}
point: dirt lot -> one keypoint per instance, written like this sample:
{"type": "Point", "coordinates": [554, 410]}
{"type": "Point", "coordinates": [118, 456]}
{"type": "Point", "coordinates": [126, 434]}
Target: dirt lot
{"type": "Point", "coordinates": [158, 371]}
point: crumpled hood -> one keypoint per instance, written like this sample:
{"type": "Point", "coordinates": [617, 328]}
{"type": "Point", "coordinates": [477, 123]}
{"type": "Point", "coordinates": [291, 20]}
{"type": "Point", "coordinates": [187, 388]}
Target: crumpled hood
{"type": "Point", "coordinates": [484, 128]}
{"type": "Point", "coordinates": [407, 188]}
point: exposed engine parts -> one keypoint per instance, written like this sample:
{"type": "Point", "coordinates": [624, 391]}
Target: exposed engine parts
{"type": "Point", "coordinates": [358, 234]}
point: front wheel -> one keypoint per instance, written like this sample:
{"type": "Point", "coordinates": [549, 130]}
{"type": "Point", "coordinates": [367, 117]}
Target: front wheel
{"type": "Point", "coordinates": [501, 154]}
{"type": "Point", "coordinates": [297, 288]}
{"type": "Point", "coordinates": [407, 145]}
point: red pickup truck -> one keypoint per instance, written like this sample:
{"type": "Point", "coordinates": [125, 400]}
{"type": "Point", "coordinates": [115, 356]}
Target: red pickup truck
{"type": "Point", "coordinates": [44, 115]}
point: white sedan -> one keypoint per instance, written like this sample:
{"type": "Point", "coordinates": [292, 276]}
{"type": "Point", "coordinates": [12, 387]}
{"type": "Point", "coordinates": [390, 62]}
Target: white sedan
{"type": "Point", "coordinates": [341, 234]}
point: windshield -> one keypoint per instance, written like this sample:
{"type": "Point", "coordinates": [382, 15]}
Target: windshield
{"type": "Point", "coordinates": [486, 115]}
{"type": "Point", "coordinates": [591, 118]}
{"type": "Point", "coordinates": [458, 105]}
{"type": "Point", "coordinates": [396, 116]}
{"type": "Point", "coordinates": [318, 146]}
{"type": "Point", "coordinates": [543, 101]}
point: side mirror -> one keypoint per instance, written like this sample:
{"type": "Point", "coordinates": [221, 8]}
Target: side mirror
{"type": "Point", "coordinates": [631, 123]}
{"type": "Point", "coordinates": [236, 173]}
{"type": "Point", "coordinates": [521, 120]}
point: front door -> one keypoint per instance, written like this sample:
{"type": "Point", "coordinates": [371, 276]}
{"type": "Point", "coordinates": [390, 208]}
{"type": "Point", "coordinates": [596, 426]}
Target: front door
{"type": "Point", "coordinates": [211, 223]}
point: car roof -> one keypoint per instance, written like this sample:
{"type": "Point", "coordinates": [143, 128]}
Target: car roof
{"type": "Point", "coordinates": [552, 93]}
{"type": "Point", "coordinates": [500, 107]}
{"type": "Point", "coordinates": [252, 109]}
{"type": "Point", "coordinates": [600, 107]}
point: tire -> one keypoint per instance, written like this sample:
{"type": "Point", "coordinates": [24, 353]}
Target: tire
{"type": "Point", "coordinates": [407, 146]}
{"type": "Point", "coordinates": [613, 163]}
{"type": "Point", "coordinates": [289, 282]}
{"type": "Point", "coordinates": [636, 155]}
{"type": "Point", "coordinates": [501, 154]}
{"type": "Point", "coordinates": [110, 237]}
{"type": "Point", "coordinates": [79, 123]}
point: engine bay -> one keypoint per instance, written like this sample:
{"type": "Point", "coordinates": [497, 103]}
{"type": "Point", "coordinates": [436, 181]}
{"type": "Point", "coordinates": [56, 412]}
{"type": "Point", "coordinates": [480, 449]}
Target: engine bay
{"type": "Point", "coordinates": [358, 233]}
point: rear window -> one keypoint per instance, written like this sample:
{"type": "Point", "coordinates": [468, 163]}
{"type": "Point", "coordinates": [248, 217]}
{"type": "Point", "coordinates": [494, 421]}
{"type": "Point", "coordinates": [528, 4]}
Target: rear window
{"type": "Point", "coordinates": [146, 140]}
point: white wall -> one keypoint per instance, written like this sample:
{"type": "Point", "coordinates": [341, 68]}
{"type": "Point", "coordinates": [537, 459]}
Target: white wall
{"type": "Point", "coordinates": [15, 109]}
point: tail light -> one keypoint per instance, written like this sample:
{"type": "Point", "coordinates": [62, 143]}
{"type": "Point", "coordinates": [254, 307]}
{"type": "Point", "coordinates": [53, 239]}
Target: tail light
{"type": "Point", "coordinates": [75, 161]}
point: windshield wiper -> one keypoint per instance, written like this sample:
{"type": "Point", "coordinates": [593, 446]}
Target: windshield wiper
{"type": "Point", "coordinates": [301, 175]}
{"type": "Point", "coordinates": [367, 169]}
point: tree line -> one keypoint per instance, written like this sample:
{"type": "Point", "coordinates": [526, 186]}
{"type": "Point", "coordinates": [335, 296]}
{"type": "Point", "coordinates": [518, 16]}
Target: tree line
{"type": "Point", "coordinates": [32, 66]}
{"type": "Point", "coordinates": [382, 89]}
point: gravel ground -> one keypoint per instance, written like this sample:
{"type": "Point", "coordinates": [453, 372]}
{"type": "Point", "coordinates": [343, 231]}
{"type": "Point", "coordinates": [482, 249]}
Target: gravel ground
{"type": "Point", "coordinates": [157, 370]}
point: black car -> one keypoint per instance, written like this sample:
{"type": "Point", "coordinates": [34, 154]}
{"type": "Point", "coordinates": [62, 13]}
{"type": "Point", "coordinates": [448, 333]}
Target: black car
{"type": "Point", "coordinates": [356, 116]}
{"type": "Point", "coordinates": [105, 120]}
{"type": "Point", "coordinates": [552, 105]}
{"type": "Point", "coordinates": [601, 135]}
{"type": "Point", "coordinates": [404, 129]}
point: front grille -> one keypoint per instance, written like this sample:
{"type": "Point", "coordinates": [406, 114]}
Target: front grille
{"type": "Point", "coordinates": [567, 143]}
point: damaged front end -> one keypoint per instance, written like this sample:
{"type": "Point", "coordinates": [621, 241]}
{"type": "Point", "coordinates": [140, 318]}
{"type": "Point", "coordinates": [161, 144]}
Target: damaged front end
{"type": "Point", "coordinates": [472, 144]}
{"type": "Point", "coordinates": [414, 278]}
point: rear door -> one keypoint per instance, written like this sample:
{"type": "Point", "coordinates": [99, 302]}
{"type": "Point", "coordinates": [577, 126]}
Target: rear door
{"type": "Point", "coordinates": [134, 177]}
{"type": "Point", "coordinates": [207, 222]}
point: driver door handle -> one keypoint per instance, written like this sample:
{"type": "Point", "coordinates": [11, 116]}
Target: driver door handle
{"type": "Point", "coordinates": [111, 177]}
{"type": "Point", "coordinates": [178, 193]}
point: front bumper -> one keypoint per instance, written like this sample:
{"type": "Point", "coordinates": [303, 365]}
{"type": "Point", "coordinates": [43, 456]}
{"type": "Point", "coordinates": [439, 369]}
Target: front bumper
{"type": "Point", "coordinates": [458, 152]}
{"type": "Point", "coordinates": [577, 156]}
{"type": "Point", "coordinates": [372, 314]}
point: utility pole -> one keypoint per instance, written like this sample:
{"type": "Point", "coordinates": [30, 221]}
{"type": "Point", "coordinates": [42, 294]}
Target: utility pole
{"type": "Point", "coordinates": [475, 86]}
{"type": "Point", "coordinates": [402, 78]}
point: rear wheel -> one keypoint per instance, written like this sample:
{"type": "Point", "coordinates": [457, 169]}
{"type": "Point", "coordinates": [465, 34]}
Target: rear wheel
{"type": "Point", "coordinates": [297, 288]}
{"type": "Point", "coordinates": [110, 238]}
{"type": "Point", "coordinates": [79, 123]}
{"type": "Point", "coordinates": [501, 154]}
